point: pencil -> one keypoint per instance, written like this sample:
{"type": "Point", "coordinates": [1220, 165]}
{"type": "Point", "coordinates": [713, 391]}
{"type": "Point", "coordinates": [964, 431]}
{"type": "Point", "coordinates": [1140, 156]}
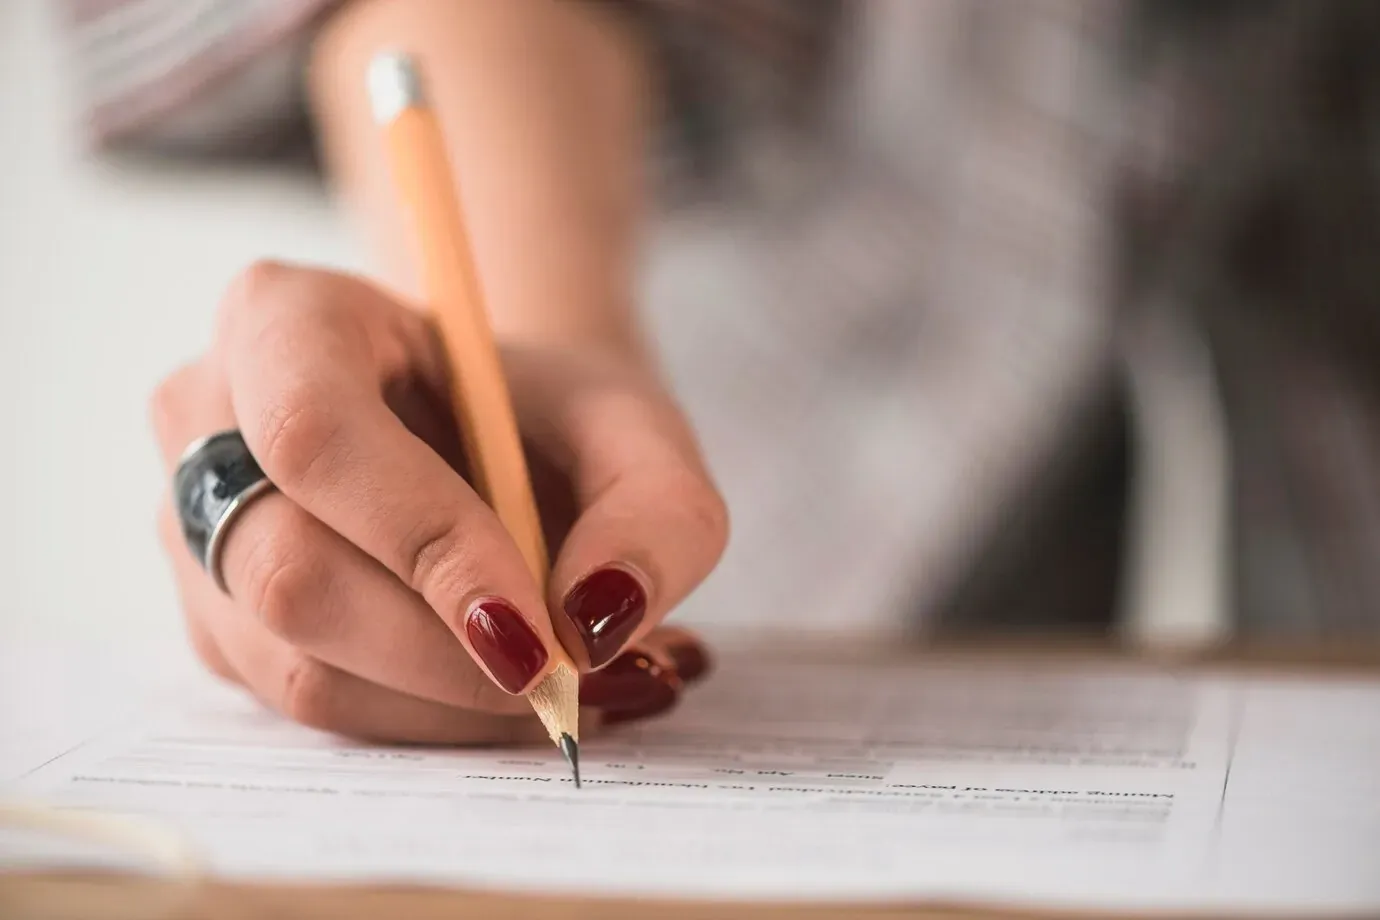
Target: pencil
{"type": "Point", "coordinates": [484, 411]}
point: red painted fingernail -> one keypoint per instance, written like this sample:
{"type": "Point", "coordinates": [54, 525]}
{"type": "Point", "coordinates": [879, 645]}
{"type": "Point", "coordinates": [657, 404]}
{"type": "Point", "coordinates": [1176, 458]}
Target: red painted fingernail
{"type": "Point", "coordinates": [508, 645]}
{"type": "Point", "coordinates": [605, 609]}
{"type": "Point", "coordinates": [691, 660]}
{"type": "Point", "coordinates": [632, 682]}
{"type": "Point", "coordinates": [656, 708]}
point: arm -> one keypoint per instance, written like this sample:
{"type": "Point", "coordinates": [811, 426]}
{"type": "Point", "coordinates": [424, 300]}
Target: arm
{"type": "Point", "coordinates": [344, 583]}
{"type": "Point", "coordinates": [542, 102]}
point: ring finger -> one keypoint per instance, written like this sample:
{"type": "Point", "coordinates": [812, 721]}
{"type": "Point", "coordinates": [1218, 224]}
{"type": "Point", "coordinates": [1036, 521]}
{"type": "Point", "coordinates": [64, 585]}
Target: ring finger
{"type": "Point", "coordinates": [316, 694]}
{"type": "Point", "coordinates": [315, 591]}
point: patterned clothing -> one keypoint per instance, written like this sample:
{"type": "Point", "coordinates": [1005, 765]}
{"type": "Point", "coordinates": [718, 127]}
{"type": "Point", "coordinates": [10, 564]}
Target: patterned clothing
{"type": "Point", "coordinates": [917, 240]}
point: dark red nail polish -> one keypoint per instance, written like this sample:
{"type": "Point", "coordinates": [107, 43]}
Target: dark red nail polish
{"type": "Point", "coordinates": [632, 682]}
{"type": "Point", "coordinates": [655, 708]}
{"type": "Point", "coordinates": [605, 609]}
{"type": "Point", "coordinates": [691, 660]}
{"type": "Point", "coordinates": [509, 647]}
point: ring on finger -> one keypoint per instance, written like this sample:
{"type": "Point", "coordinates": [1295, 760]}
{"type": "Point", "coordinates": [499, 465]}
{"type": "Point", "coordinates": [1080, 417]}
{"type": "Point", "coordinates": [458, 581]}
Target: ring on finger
{"type": "Point", "coordinates": [216, 479]}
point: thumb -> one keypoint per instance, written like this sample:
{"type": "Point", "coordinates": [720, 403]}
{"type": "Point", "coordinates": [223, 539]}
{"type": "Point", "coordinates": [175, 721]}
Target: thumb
{"type": "Point", "coordinates": [649, 523]}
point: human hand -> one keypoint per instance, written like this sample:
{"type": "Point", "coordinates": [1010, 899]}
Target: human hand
{"type": "Point", "coordinates": [373, 593]}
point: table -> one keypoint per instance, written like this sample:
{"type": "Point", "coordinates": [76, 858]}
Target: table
{"type": "Point", "coordinates": [73, 897]}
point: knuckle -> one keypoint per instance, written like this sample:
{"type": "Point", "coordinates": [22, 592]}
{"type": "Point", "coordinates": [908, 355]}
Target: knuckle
{"type": "Point", "coordinates": [296, 431]}
{"type": "Point", "coordinates": [259, 284]}
{"type": "Point", "coordinates": [261, 295]}
{"type": "Point", "coordinates": [268, 287]}
{"type": "Point", "coordinates": [437, 559]}
{"type": "Point", "coordinates": [306, 693]}
{"type": "Point", "coordinates": [708, 512]}
{"type": "Point", "coordinates": [282, 584]}
{"type": "Point", "coordinates": [167, 403]}
{"type": "Point", "coordinates": [284, 606]}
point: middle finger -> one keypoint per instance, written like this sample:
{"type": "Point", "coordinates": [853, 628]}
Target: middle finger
{"type": "Point", "coordinates": [311, 587]}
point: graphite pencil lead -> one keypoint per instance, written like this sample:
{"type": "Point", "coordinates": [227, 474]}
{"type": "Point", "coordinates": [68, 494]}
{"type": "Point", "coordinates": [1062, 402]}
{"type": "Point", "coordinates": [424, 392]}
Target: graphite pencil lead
{"type": "Point", "coordinates": [571, 749]}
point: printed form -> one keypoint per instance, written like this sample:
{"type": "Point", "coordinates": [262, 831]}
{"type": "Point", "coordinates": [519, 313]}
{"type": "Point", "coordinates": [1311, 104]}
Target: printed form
{"type": "Point", "coordinates": [1105, 786]}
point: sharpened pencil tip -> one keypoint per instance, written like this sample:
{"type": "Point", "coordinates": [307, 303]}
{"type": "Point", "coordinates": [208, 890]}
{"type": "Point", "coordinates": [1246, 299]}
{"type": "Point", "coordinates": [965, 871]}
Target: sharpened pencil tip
{"type": "Point", "coordinates": [571, 749]}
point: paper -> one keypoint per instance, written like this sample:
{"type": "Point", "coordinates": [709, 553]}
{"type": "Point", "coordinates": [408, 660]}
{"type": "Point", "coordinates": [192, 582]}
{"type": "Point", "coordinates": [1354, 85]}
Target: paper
{"type": "Point", "coordinates": [1091, 786]}
{"type": "Point", "coordinates": [55, 695]}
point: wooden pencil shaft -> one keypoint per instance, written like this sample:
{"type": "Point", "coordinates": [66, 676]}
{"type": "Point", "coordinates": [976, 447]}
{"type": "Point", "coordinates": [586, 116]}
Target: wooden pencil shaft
{"type": "Point", "coordinates": [493, 444]}
{"type": "Point", "coordinates": [479, 392]}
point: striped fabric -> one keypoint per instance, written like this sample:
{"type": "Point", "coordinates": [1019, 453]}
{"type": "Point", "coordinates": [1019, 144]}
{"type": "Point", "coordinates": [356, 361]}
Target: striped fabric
{"type": "Point", "coordinates": [210, 76]}
{"type": "Point", "coordinates": [920, 227]}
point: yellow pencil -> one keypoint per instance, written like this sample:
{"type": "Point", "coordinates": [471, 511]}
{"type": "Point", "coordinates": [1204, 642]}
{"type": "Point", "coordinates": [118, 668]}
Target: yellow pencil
{"type": "Point", "coordinates": [421, 171]}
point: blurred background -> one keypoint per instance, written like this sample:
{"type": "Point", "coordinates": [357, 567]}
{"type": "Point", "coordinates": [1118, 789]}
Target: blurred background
{"type": "Point", "coordinates": [1204, 456]}
{"type": "Point", "coordinates": [110, 268]}
{"type": "Point", "coordinates": [109, 276]}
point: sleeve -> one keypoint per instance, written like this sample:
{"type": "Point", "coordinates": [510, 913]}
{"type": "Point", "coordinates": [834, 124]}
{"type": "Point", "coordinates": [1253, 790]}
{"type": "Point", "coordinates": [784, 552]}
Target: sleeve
{"type": "Point", "coordinates": [202, 77]}
{"type": "Point", "coordinates": [725, 67]}
{"type": "Point", "coordinates": [224, 77]}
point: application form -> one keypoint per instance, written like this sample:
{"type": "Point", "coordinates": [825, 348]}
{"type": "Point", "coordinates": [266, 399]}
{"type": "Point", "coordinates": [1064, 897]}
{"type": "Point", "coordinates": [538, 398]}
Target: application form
{"type": "Point", "coordinates": [1028, 782]}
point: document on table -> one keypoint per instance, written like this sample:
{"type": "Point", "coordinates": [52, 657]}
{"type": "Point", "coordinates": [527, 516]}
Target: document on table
{"type": "Point", "coordinates": [1111, 787]}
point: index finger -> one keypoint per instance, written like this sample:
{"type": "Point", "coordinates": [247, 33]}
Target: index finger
{"type": "Point", "coordinates": [307, 354]}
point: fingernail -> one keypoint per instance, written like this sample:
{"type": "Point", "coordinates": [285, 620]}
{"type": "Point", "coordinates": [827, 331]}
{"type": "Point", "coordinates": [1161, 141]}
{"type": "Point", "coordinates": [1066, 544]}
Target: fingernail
{"type": "Point", "coordinates": [691, 660]}
{"type": "Point", "coordinates": [508, 645]}
{"type": "Point", "coordinates": [605, 609]}
{"type": "Point", "coordinates": [632, 683]}
{"type": "Point", "coordinates": [622, 716]}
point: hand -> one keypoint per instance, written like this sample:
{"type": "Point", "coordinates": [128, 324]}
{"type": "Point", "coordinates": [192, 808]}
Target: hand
{"type": "Point", "coordinates": [353, 588]}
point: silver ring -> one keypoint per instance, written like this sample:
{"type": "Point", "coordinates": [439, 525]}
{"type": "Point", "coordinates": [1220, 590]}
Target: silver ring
{"type": "Point", "coordinates": [217, 478]}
